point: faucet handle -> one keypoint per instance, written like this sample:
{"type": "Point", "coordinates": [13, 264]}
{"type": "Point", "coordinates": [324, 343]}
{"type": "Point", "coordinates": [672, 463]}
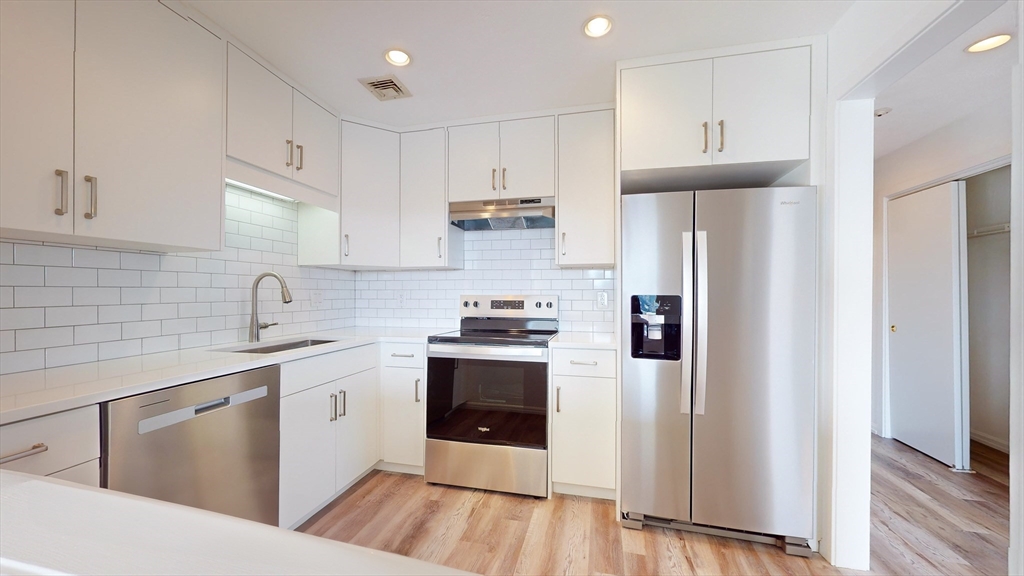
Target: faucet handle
{"type": "Point", "coordinates": [264, 325]}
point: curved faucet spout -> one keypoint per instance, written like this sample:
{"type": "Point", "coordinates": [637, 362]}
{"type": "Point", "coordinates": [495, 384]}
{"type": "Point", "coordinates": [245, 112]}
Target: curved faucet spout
{"type": "Point", "coordinates": [254, 321]}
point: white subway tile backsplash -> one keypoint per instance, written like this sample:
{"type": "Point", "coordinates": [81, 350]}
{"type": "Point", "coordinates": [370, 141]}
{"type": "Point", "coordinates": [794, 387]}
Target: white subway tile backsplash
{"type": "Point", "coordinates": [71, 355]}
{"type": "Point", "coordinates": [32, 339]}
{"type": "Point", "coordinates": [38, 255]}
{"type": "Point", "coordinates": [6, 253]}
{"type": "Point", "coordinates": [97, 333]}
{"type": "Point", "coordinates": [119, 349]}
{"type": "Point", "coordinates": [177, 263]}
{"type": "Point", "coordinates": [11, 275]}
{"type": "Point", "coordinates": [70, 276]}
{"type": "Point", "coordinates": [22, 361]}
{"type": "Point", "coordinates": [140, 295]}
{"type": "Point", "coordinates": [178, 326]}
{"type": "Point", "coordinates": [70, 315]}
{"type": "Point", "coordinates": [18, 318]}
{"type": "Point", "coordinates": [159, 279]}
{"type": "Point", "coordinates": [119, 278]}
{"type": "Point", "coordinates": [121, 313]}
{"type": "Point", "coordinates": [133, 261]}
{"type": "Point", "coordinates": [26, 297]}
{"type": "Point", "coordinates": [159, 311]}
{"type": "Point", "coordinates": [7, 341]}
{"type": "Point", "coordinates": [90, 258]}
{"type": "Point", "coordinates": [159, 344]}
{"type": "Point", "coordinates": [97, 296]}
{"type": "Point", "coordinates": [146, 329]}
{"type": "Point", "coordinates": [6, 296]}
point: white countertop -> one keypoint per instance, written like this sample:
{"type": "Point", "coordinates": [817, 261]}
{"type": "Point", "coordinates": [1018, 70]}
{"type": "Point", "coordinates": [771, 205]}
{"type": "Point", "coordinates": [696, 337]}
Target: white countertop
{"type": "Point", "coordinates": [25, 395]}
{"type": "Point", "coordinates": [50, 525]}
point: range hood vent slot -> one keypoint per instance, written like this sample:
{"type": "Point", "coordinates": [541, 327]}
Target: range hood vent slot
{"type": "Point", "coordinates": [386, 87]}
{"type": "Point", "coordinates": [519, 214]}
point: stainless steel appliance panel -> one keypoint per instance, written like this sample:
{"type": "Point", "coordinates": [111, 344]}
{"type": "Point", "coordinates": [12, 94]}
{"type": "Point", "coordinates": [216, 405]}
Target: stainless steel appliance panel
{"type": "Point", "coordinates": [753, 423]}
{"type": "Point", "coordinates": [213, 444]}
{"type": "Point", "coordinates": [502, 468]}
{"type": "Point", "coordinates": [657, 259]}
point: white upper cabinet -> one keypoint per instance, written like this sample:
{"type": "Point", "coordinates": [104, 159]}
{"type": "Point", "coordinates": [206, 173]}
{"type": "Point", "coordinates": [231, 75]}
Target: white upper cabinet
{"type": "Point", "coordinates": [259, 115]}
{"type": "Point", "coordinates": [509, 159]}
{"type": "Point", "coordinates": [527, 158]}
{"type": "Point", "coordinates": [358, 426]}
{"type": "Point", "coordinates": [315, 132]}
{"type": "Point", "coordinates": [585, 211]}
{"type": "Point", "coordinates": [763, 106]}
{"type": "Point", "coordinates": [276, 128]}
{"type": "Point", "coordinates": [370, 192]}
{"type": "Point", "coordinates": [37, 75]}
{"type": "Point", "coordinates": [149, 117]}
{"type": "Point", "coordinates": [473, 162]}
{"type": "Point", "coordinates": [746, 108]}
{"type": "Point", "coordinates": [427, 239]}
{"type": "Point", "coordinates": [666, 115]}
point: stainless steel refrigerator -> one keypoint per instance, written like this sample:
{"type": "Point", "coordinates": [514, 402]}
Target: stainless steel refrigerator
{"type": "Point", "coordinates": [718, 360]}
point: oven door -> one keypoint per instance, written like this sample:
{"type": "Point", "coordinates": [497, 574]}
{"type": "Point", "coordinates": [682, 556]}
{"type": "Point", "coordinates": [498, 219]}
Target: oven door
{"type": "Point", "coordinates": [487, 394]}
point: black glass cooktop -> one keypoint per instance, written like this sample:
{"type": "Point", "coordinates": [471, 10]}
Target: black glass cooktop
{"type": "Point", "coordinates": [495, 338]}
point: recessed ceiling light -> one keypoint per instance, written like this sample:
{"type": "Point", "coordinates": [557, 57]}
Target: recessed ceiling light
{"type": "Point", "coordinates": [989, 43]}
{"type": "Point", "coordinates": [397, 57]}
{"type": "Point", "coordinates": [597, 26]}
{"type": "Point", "coordinates": [882, 112]}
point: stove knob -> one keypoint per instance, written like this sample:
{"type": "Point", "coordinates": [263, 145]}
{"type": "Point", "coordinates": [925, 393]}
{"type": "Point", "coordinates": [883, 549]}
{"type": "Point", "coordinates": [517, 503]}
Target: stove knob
{"type": "Point", "coordinates": [538, 304]}
{"type": "Point", "coordinates": [476, 304]}
{"type": "Point", "coordinates": [550, 305]}
{"type": "Point", "coordinates": [465, 304]}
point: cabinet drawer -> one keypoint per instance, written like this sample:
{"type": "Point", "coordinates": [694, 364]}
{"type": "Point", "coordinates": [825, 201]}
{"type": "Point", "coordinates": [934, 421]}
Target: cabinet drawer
{"type": "Point", "coordinates": [309, 372]}
{"type": "Point", "coordinates": [595, 363]}
{"type": "Point", "coordinates": [402, 355]}
{"type": "Point", "coordinates": [87, 473]}
{"type": "Point", "coordinates": [70, 438]}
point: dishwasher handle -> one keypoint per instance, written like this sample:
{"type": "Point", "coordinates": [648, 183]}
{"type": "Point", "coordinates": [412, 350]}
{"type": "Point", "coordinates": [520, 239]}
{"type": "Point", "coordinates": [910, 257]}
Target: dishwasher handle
{"type": "Point", "coordinates": [212, 405]}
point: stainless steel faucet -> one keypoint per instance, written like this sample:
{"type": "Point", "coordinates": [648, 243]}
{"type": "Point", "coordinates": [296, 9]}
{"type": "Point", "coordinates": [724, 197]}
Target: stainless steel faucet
{"type": "Point", "coordinates": [254, 322]}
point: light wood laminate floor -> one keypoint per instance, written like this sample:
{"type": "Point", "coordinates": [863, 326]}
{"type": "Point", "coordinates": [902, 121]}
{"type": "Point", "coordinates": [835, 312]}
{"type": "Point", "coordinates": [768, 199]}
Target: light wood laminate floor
{"type": "Point", "coordinates": [925, 520]}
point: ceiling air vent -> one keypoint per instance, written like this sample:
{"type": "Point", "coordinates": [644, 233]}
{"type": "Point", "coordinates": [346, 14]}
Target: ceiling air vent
{"type": "Point", "coordinates": [385, 87]}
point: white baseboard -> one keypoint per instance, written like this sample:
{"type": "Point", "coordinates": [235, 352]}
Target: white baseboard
{"type": "Point", "coordinates": [401, 468]}
{"type": "Point", "coordinates": [991, 441]}
{"type": "Point", "coordinates": [586, 491]}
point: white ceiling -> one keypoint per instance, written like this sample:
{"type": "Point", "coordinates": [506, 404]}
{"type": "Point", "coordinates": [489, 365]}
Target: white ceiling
{"type": "Point", "coordinates": [483, 58]}
{"type": "Point", "coordinates": [950, 85]}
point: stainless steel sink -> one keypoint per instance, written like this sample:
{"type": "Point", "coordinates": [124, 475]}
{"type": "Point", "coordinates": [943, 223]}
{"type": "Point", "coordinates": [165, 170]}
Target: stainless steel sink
{"type": "Point", "coordinates": [280, 346]}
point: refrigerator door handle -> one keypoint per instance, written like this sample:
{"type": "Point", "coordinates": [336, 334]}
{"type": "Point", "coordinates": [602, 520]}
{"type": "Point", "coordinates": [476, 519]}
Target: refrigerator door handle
{"type": "Point", "coordinates": [686, 378]}
{"type": "Point", "coordinates": [702, 323]}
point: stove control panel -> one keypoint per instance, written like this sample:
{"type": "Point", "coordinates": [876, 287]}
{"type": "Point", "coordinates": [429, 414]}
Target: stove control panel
{"type": "Point", "coordinates": [532, 306]}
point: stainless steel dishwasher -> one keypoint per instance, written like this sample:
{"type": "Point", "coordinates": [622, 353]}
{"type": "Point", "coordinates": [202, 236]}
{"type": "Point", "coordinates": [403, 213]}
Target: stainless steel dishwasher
{"type": "Point", "coordinates": [213, 444]}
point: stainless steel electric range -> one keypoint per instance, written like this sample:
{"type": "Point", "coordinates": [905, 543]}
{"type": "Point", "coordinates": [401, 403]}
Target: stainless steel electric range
{"type": "Point", "coordinates": [487, 395]}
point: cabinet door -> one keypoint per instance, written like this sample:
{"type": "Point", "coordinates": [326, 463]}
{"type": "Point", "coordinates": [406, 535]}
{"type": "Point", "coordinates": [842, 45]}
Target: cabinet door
{"type": "Point", "coordinates": [424, 209]}
{"type": "Point", "coordinates": [307, 452]}
{"type": "Point", "coordinates": [259, 115]}
{"type": "Point", "coordinates": [37, 122]}
{"type": "Point", "coordinates": [149, 117]}
{"type": "Point", "coordinates": [666, 115]}
{"type": "Point", "coordinates": [764, 102]}
{"type": "Point", "coordinates": [473, 162]}
{"type": "Point", "coordinates": [316, 145]}
{"type": "Point", "coordinates": [583, 432]}
{"type": "Point", "coordinates": [585, 220]}
{"type": "Point", "coordinates": [358, 447]}
{"type": "Point", "coordinates": [402, 408]}
{"type": "Point", "coordinates": [369, 196]}
{"type": "Point", "coordinates": [527, 158]}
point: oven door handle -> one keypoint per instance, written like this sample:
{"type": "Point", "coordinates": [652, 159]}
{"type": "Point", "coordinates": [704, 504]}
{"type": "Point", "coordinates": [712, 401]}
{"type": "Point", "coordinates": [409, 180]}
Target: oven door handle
{"type": "Point", "coordinates": [474, 352]}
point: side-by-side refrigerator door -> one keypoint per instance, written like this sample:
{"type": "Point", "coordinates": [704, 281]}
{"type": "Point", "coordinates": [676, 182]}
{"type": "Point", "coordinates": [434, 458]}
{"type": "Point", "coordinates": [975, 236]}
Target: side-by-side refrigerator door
{"type": "Point", "coordinates": [753, 422]}
{"type": "Point", "coordinates": [657, 332]}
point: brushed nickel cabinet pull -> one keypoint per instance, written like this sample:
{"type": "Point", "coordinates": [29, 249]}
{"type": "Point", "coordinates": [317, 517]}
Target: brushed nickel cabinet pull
{"type": "Point", "coordinates": [94, 192]}
{"type": "Point", "coordinates": [417, 386]}
{"type": "Point", "coordinates": [334, 407]}
{"type": "Point", "coordinates": [579, 363]}
{"type": "Point", "coordinates": [563, 243]}
{"type": "Point", "coordinates": [494, 174]}
{"type": "Point", "coordinates": [346, 244]}
{"type": "Point", "coordinates": [299, 165]}
{"type": "Point", "coordinates": [558, 398]}
{"type": "Point", "coordinates": [397, 355]}
{"type": "Point", "coordinates": [439, 246]}
{"type": "Point", "coordinates": [503, 179]}
{"type": "Point", "coordinates": [721, 135]}
{"type": "Point", "coordinates": [344, 402]}
{"type": "Point", "coordinates": [705, 150]}
{"type": "Point", "coordinates": [63, 175]}
{"type": "Point", "coordinates": [35, 449]}
{"type": "Point", "coordinates": [290, 153]}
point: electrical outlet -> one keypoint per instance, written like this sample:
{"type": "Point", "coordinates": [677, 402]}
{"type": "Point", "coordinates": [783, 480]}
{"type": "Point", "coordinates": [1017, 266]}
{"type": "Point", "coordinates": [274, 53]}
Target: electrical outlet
{"type": "Point", "coordinates": [401, 299]}
{"type": "Point", "coordinates": [602, 300]}
{"type": "Point", "coordinates": [316, 298]}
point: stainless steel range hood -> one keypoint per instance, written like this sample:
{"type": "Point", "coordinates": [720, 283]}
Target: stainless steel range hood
{"type": "Point", "coordinates": [516, 214]}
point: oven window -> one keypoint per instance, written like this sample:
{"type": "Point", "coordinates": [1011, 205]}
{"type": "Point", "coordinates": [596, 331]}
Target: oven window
{"type": "Point", "coordinates": [487, 402]}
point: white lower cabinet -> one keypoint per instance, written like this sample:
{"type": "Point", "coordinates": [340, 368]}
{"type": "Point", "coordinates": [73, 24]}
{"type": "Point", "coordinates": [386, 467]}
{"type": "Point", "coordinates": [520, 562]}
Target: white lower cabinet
{"type": "Point", "coordinates": [583, 429]}
{"type": "Point", "coordinates": [54, 445]}
{"type": "Point", "coordinates": [356, 431]}
{"type": "Point", "coordinates": [403, 402]}
{"type": "Point", "coordinates": [307, 452]}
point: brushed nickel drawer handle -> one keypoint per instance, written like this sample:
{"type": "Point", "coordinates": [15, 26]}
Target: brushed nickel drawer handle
{"type": "Point", "coordinates": [291, 152]}
{"type": "Point", "coordinates": [558, 398]}
{"type": "Point", "coordinates": [301, 155]}
{"type": "Point", "coordinates": [503, 179]}
{"type": "Point", "coordinates": [705, 150]}
{"type": "Point", "coordinates": [721, 135]}
{"type": "Point", "coordinates": [35, 449]}
{"type": "Point", "coordinates": [439, 246]}
{"type": "Point", "coordinates": [397, 355]}
{"type": "Point", "coordinates": [344, 402]}
{"type": "Point", "coordinates": [63, 175]}
{"type": "Point", "coordinates": [417, 387]}
{"type": "Point", "coordinates": [494, 174]}
{"type": "Point", "coordinates": [94, 189]}
{"type": "Point", "coordinates": [563, 243]}
{"type": "Point", "coordinates": [346, 244]}
{"type": "Point", "coordinates": [334, 407]}
{"type": "Point", "coordinates": [581, 363]}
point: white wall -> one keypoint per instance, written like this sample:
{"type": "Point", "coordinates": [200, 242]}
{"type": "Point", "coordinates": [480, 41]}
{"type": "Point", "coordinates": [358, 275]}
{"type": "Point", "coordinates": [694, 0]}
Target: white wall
{"type": "Point", "coordinates": [988, 266]}
{"type": "Point", "coordinates": [974, 140]}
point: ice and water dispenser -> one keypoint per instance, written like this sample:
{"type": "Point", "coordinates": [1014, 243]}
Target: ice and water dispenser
{"type": "Point", "coordinates": [656, 331]}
